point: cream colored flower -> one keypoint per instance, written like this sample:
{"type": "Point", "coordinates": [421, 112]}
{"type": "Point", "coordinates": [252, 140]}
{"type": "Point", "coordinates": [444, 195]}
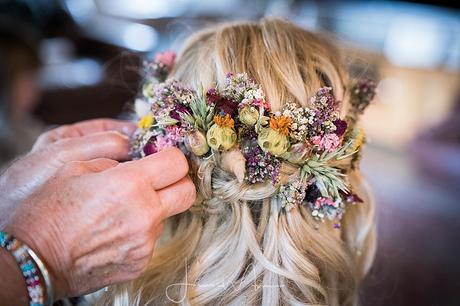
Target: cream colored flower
{"type": "Point", "coordinates": [148, 89]}
{"type": "Point", "coordinates": [248, 115]}
{"type": "Point", "coordinates": [195, 141]}
{"type": "Point", "coordinates": [221, 138]}
{"type": "Point", "coordinates": [273, 141]}
{"type": "Point", "coordinates": [298, 153]}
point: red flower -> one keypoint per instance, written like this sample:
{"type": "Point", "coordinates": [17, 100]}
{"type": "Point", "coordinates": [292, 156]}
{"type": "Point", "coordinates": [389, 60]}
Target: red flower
{"type": "Point", "coordinates": [223, 106]}
{"type": "Point", "coordinates": [341, 127]}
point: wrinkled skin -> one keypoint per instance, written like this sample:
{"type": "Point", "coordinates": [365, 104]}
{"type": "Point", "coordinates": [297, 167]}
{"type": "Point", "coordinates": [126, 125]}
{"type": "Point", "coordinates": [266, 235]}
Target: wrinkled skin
{"type": "Point", "coordinates": [93, 220]}
{"type": "Point", "coordinates": [100, 138]}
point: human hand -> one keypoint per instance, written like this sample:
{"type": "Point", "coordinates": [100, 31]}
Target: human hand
{"type": "Point", "coordinates": [100, 138]}
{"type": "Point", "coordinates": [95, 222]}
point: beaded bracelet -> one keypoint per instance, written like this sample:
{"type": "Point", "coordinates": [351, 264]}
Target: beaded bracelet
{"type": "Point", "coordinates": [31, 266]}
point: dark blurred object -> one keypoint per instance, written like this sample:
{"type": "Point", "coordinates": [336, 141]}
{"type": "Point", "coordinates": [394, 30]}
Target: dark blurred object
{"type": "Point", "coordinates": [109, 98]}
{"type": "Point", "coordinates": [40, 16]}
{"type": "Point", "coordinates": [443, 3]}
{"type": "Point", "coordinates": [19, 91]}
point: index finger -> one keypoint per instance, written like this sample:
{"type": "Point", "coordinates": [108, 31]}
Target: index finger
{"type": "Point", "coordinates": [85, 128]}
{"type": "Point", "coordinates": [160, 169]}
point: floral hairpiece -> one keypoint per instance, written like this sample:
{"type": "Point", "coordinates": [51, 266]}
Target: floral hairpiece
{"type": "Point", "coordinates": [255, 143]}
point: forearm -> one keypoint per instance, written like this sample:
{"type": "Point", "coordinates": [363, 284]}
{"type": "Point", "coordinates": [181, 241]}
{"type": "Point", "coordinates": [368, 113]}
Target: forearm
{"type": "Point", "coordinates": [12, 286]}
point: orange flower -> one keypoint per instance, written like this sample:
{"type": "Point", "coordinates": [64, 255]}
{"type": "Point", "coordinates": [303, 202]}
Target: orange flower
{"type": "Point", "coordinates": [226, 121]}
{"type": "Point", "coordinates": [281, 124]}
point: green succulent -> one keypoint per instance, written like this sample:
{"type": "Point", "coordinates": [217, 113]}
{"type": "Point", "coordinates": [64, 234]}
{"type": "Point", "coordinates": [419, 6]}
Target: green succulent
{"type": "Point", "coordinates": [202, 113]}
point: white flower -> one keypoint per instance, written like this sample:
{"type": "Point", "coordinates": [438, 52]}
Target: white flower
{"type": "Point", "coordinates": [141, 107]}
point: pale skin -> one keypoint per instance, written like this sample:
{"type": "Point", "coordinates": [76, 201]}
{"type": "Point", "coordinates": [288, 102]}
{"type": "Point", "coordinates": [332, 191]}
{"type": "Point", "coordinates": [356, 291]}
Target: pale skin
{"type": "Point", "coordinates": [92, 219]}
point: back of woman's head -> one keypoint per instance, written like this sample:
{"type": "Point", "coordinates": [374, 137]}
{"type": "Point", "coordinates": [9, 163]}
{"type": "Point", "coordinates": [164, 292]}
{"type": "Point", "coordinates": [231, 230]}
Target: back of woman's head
{"type": "Point", "coordinates": [240, 243]}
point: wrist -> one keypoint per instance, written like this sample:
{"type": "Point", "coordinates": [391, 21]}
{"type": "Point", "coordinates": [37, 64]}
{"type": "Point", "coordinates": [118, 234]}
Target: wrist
{"type": "Point", "coordinates": [42, 250]}
{"type": "Point", "coordinates": [13, 289]}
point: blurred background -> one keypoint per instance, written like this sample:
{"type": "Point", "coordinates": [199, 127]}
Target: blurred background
{"type": "Point", "coordinates": [63, 61]}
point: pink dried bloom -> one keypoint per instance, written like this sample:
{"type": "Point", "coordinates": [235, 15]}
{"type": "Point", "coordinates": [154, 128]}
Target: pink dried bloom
{"type": "Point", "coordinates": [166, 58]}
{"type": "Point", "coordinates": [327, 142]}
{"type": "Point", "coordinates": [175, 133]}
{"type": "Point", "coordinates": [321, 201]}
{"type": "Point", "coordinates": [163, 142]}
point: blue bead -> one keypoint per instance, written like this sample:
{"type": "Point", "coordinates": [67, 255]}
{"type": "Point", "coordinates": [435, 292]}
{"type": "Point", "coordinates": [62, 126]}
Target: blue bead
{"type": "Point", "coordinates": [27, 267]}
{"type": "Point", "coordinates": [2, 239]}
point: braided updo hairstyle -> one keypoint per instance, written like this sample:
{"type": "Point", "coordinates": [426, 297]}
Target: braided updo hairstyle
{"type": "Point", "coordinates": [235, 246]}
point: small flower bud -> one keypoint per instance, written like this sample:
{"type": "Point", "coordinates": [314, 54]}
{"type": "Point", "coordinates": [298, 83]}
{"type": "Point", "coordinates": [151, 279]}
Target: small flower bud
{"type": "Point", "coordinates": [221, 138]}
{"type": "Point", "coordinates": [148, 89]}
{"type": "Point", "coordinates": [273, 141]}
{"type": "Point", "coordinates": [297, 154]}
{"type": "Point", "coordinates": [195, 141]}
{"type": "Point", "coordinates": [248, 115]}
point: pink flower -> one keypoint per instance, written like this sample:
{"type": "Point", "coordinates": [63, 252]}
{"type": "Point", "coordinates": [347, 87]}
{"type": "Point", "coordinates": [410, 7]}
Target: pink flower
{"type": "Point", "coordinates": [255, 103]}
{"type": "Point", "coordinates": [327, 142]}
{"type": "Point", "coordinates": [261, 102]}
{"type": "Point", "coordinates": [163, 142]}
{"type": "Point", "coordinates": [316, 140]}
{"type": "Point", "coordinates": [166, 58]}
{"type": "Point", "coordinates": [175, 133]}
{"type": "Point", "coordinates": [321, 201]}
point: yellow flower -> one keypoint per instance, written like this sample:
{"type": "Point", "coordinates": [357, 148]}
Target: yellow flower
{"type": "Point", "coordinates": [221, 138]}
{"type": "Point", "coordinates": [273, 141]}
{"type": "Point", "coordinates": [248, 115]}
{"type": "Point", "coordinates": [146, 121]}
{"type": "Point", "coordinates": [358, 137]}
{"type": "Point", "coordinates": [281, 124]}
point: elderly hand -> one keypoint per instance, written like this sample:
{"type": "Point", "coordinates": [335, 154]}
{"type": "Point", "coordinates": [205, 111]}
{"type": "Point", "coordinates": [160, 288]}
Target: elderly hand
{"type": "Point", "coordinates": [100, 138]}
{"type": "Point", "coordinates": [95, 222]}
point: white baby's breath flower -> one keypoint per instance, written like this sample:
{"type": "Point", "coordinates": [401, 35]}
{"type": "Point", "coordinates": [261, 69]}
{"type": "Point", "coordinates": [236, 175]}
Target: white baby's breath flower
{"type": "Point", "coordinates": [141, 107]}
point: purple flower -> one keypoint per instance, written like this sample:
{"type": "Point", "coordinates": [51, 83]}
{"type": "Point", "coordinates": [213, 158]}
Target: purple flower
{"type": "Point", "coordinates": [178, 109]}
{"type": "Point", "coordinates": [312, 193]}
{"type": "Point", "coordinates": [150, 148]}
{"type": "Point", "coordinates": [362, 93]}
{"type": "Point", "coordinates": [222, 105]}
{"type": "Point", "coordinates": [341, 127]}
{"type": "Point", "coordinates": [225, 106]}
{"type": "Point", "coordinates": [261, 165]}
{"type": "Point", "coordinates": [212, 96]}
{"type": "Point", "coordinates": [352, 198]}
{"type": "Point", "coordinates": [324, 100]}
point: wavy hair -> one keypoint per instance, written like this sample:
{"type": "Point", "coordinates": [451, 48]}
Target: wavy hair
{"type": "Point", "coordinates": [234, 246]}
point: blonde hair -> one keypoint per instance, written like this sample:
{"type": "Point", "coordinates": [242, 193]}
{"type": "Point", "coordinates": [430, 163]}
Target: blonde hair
{"type": "Point", "coordinates": [234, 246]}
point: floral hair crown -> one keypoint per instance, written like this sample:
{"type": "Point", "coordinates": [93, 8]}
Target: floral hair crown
{"type": "Point", "coordinates": [255, 143]}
